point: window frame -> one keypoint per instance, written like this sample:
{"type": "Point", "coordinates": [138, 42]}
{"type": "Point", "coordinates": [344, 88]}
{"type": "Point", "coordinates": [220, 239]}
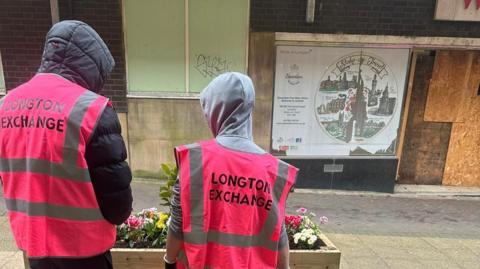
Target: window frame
{"type": "Point", "coordinates": [187, 93]}
{"type": "Point", "coordinates": [3, 86]}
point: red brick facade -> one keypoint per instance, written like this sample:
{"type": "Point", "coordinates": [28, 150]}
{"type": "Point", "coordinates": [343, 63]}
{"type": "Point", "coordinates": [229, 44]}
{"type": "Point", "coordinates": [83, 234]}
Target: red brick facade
{"type": "Point", "coordinates": [24, 24]}
{"type": "Point", "coordinates": [106, 18]}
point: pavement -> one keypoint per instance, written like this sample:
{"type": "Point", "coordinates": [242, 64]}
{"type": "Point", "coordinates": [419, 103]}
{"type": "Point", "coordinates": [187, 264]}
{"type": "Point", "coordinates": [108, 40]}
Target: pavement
{"type": "Point", "coordinates": [416, 227]}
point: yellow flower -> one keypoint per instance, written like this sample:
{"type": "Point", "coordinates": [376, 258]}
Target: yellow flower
{"type": "Point", "coordinates": [163, 217]}
{"type": "Point", "coordinates": [160, 225]}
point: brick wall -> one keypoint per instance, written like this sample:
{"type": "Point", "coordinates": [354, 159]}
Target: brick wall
{"type": "Point", "coordinates": [106, 18]}
{"type": "Point", "coordinates": [372, 17]}
{"type": "Point", "coordinates": [23, 26]}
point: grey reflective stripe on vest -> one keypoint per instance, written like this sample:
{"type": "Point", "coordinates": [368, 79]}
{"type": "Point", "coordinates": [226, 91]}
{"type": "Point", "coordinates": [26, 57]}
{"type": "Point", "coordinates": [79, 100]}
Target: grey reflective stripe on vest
{"type": "Point", "coordinates": [196, 188]}
{"type": "Point", "coordinates": [183, 258]}
{"type": "Point", "coordinates": [74, 123]}
{"type": "Point", "coordinates": [197, 234]}
{"type": "Point", "coordinates": [38, 166]}
{"type": "Point", "coordinates": [54, 211]}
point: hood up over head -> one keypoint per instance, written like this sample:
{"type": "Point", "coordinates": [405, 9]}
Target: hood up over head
{"type": "Point", "coordinates": [227, 103]}
{"type": "Point", "coordinates": [76, 52]}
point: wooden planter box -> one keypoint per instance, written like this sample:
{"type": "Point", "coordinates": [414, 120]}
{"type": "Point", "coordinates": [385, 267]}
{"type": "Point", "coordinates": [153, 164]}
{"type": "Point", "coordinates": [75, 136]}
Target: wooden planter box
{"type": "Point", "coordinates": [328, 257]}
{"type": "Point", "coordinates": [144, 258]}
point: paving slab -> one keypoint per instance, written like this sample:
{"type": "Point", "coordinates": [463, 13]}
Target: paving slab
{"type": "Point", "coordinates": [440, 264]}
{"type": "Point", "coordinates": [473, 245]}
{"type": "Point", "coordinates": [392, 252]}
{"type": "Point", "coordinates": [396, 263]}
{"type": "Point", "coordinates": [367, 263]}
{"type": "Point", "coordinates": [461, 254]}
{"type": "Point", "coordinates": [11, 260]}
{"type": "Point", "coordinates": [474, 264]}
{"type": "Point", "coordinates": [430, 254]}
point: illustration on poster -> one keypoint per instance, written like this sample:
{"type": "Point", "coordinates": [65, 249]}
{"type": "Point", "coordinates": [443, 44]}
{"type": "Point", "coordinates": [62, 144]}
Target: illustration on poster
{"type": "Point", "coordinates": [338, 100]}
{"type": "Point", "coordinates": [357, 97]}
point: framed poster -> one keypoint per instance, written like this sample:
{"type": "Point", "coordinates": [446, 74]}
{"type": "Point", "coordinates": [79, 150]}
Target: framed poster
{"type": "Point", "coordinates": [338, 101]}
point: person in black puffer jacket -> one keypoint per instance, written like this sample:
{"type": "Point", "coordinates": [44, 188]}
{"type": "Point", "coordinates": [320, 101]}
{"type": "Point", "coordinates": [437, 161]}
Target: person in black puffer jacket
{"type": "Point", "coordinates": [86, 61]}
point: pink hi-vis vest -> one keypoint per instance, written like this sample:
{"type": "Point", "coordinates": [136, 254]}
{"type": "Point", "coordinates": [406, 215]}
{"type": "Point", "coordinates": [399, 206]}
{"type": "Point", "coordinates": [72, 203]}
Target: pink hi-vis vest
{"type": "Point", "coordinates": [233, 206]}
{"type": "Point", "coordinates": [45, 125]}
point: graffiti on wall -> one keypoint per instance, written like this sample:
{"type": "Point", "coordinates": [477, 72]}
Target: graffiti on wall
{"type": "Point", "coordinates": [211, 66]}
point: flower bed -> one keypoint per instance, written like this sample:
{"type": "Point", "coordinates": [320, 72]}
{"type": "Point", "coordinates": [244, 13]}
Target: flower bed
{"type": "Point", "coordinates": [309, 247]}
{"type": "Point", "coordinates": [302, 231]}
{"type": "Point", "coordinates": [146, 229]}
{"type": "Point", "coordinates": [141, 241]}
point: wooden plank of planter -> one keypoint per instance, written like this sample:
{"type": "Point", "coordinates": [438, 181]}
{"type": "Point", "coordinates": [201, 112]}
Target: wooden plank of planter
{"type": "Point", "coordinates": [327, 258]}
{"type": "Point", "coordinates": [304, 259]}
{"type": "Point", "coordinates": [128, 258]}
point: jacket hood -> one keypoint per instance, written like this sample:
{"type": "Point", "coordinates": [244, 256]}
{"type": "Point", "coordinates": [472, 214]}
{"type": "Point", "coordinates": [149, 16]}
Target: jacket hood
{"type": "Point", "coordinates": [227, 103]}
{"type": "Point", "coordinates": [76, 52]}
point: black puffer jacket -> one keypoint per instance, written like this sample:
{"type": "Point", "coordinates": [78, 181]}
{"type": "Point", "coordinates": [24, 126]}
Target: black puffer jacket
{"type": "Point", "coordinates": [76, 52]}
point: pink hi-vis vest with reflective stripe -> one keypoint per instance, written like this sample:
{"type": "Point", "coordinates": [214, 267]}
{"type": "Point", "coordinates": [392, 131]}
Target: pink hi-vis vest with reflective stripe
{"type": "Point", "coordinates": [45, 125]}
{"type": "Point", "coordinates": [233, 206]}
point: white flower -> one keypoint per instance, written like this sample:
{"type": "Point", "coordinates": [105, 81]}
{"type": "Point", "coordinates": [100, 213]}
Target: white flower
{"type": "Point", "coordinates": [309, 231]}
{"type": "Point", "coordinates": [312, 240]}
{"type": "Point", "coordinates": [296, 237]}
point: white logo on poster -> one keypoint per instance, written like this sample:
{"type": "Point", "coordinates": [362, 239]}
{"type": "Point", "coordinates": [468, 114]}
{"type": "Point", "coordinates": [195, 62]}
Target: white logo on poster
{"type": "Point", "coordinates": [357, 97]}
{"type": "Point", "coordinates": [293, 77]}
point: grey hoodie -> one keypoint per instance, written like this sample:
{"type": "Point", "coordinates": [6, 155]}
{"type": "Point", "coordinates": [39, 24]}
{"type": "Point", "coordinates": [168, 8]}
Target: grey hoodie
{"type": "Point", "coordinates": [227, 103]}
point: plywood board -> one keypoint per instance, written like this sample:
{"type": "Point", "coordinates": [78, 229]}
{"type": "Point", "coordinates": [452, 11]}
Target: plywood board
{"type": "Point", "coordinates": [426, 143]}
{"type": "Point", "coordinates": [448, 87]}
{"type": "Point", "coordinates": [463, 159]}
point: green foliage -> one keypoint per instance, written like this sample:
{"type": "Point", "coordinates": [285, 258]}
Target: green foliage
{"type": "Point", "coordinates": [166, 190]}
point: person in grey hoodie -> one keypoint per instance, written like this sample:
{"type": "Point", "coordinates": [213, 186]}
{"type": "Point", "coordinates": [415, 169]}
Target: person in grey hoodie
{"type": "Point", "coordinates": [227, 103]}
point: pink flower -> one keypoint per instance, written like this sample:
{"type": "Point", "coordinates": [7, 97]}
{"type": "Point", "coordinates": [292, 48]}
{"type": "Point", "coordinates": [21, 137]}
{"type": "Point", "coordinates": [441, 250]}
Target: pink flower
{"type": "Point", "coordinates": [302, 210]}
{"type": "Point", "coordinates": [293, 221]}
{"type": "Point", "coordinates": [134, 222]}
{"type": "Point", "coordinates": [323, 220]}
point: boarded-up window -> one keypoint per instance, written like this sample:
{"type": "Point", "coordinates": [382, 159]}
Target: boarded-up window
{"type": "Point", "coordinates": [449, 86]}
{"type": "Point", "coordinates": [179, 46]}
